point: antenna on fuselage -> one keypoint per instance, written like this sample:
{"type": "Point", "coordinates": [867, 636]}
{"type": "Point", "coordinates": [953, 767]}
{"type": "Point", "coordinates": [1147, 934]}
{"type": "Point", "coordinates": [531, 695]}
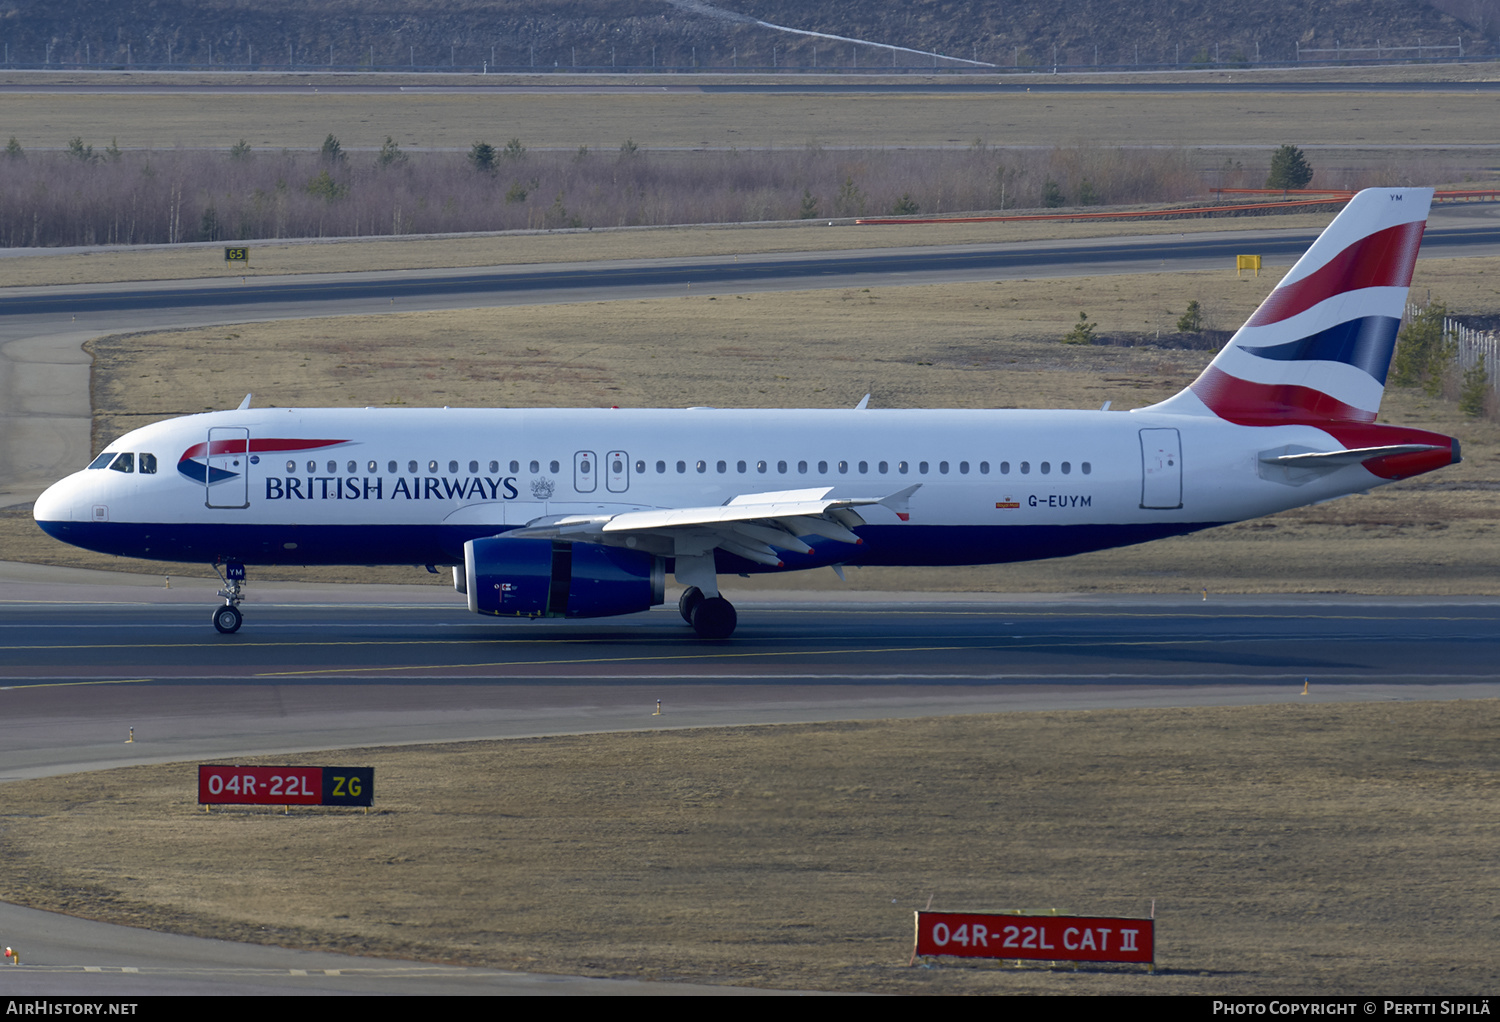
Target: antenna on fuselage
{"type": "Point", "coordinates": [244, 404]}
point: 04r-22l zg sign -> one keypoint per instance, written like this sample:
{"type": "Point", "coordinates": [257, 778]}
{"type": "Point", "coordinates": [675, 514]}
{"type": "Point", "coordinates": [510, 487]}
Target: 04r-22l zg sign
{"type": "Point", "coordinates": [219, 784]}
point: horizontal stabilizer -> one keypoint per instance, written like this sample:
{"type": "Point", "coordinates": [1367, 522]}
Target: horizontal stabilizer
{"type": "Point", "coordinates": [1338, 459]}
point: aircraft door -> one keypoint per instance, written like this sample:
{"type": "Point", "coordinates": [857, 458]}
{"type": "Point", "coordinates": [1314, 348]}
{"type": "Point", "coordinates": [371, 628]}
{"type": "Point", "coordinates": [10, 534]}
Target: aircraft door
{"type": "Point", "coordinates": [585, 472]}
{"type": "Point", "coordinates": [617, 471]}
{"type": "Point", "coordinates": [226, 479]}
{"type": "Point", "coordinates": [1161, 468]}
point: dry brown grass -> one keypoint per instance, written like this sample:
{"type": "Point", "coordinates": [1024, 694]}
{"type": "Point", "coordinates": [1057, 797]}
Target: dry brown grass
{"type": "Point", "coordinates": [962, 345]}
{"type": "Point", "coordinates": [689, 119]}
{"type": "Point", "coordinates": [1290, 849]}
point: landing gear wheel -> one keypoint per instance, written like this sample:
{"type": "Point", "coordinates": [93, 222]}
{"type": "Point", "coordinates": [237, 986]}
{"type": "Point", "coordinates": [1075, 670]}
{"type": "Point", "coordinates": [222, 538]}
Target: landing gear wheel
{"type": "Point", "coordinates": [688, 601]}
{"type": "Point", "coordinates": [714, 618]}
{"type": "Point", "coordinates": [227, 619]}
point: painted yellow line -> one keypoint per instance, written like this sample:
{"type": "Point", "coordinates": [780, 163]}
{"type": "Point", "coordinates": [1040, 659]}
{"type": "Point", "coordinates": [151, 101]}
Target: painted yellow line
{"type": "Point", "coordinates": [67, 684]}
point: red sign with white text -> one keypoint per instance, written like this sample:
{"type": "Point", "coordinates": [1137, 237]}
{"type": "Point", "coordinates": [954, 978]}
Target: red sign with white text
{"type": "Point", "coordinates": [256, 785]}
{"type": "Point", "coordinates": [1044, 938]}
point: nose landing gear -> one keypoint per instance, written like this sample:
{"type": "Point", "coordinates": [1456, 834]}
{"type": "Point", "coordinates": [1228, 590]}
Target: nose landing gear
{"type": "Point", "coordinates": [227, 619]}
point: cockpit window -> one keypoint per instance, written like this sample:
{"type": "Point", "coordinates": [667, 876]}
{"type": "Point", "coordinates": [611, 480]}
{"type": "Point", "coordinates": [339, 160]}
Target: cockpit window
{"type": "Point", "coordinates": [124, 463]}
{"type": "Point", "coordinates": [148, 464]}
{"type": "Point", "coordinates": [103, 460]}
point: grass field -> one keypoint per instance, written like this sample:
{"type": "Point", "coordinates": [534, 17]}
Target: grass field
{"type": "Point", "coordinates": [691, 119]}
{"type": "Point", "coordinates": [1293, 848]}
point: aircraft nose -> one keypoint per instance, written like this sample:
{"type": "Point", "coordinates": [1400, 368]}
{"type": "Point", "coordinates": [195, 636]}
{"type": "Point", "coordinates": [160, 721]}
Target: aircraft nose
{"type": "Point", "coordinates": [56, 502]}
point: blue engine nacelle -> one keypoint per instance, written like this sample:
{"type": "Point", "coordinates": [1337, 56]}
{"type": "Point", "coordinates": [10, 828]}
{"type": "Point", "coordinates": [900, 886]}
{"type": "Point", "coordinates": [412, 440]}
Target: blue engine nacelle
{"type": "Point", "coordinates": [546, 578]}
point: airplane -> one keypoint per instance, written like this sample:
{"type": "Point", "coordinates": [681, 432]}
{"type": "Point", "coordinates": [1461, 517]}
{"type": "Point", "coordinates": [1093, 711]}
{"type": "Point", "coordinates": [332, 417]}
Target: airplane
{"type": "Point", "coordinates": [579, 513]}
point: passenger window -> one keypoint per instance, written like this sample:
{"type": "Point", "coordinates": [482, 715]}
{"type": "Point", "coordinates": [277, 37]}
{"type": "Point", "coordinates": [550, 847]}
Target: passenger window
{"type": "Point", "coordinates": [864, 466]}
{"type": "Point", "coordinates": [963, 468]}
{"type": "Point", "coordinates": [781, 467]}
{"type": "Point", "coordinates": [453, 467]}
{"type": "Point", "coordinates": [354, 466]}
{"type": "Point", "coordinates": [312, 467]}
{"type": "Point", "coordinates": [515, 467]}
{"type": "Point", "coordinates": [884, 468]}
{"type": "Point", "coordinates": [661, 466]}
{"type": "Point", "coordinates": [802, 467]}
{"type": "Point", "coordinates": [822, 468]}
{"type": "Point", "coordinates": [1005, 468]}
{"type": "Point", "coordinates": [922, 467]}
{"type": "Point", "coordinates": [390, 467]}
{"type": "Point", "coordinates": [148, 464]}
{"type": "Point", "coordinates": [1066, 468]}
{"type": "Point", "coordinates": [103, 460]}
{"type": "Point", "coordinates": [723, 467]}
{"type": "Point", "coordinates": [291, 466]}
{"type": "Point", "coordinates": [432, 466]}
{"type": "Point", "coordinates": [583, 466]}
{"type": "Point", "coordinates": [494, 466]}
{"type": "Point", "coordinates": [760, 466]}
{"type": "Point", "coordinates": [1025, 468]}
{"type": "Point", "coordinates": [984, 468]}
{"type": "Point", "coordinates": [1086, 468]}
{"type": "Point", "coordinates": [124, 463]}
{"type": "Point", "coordinates": [739, 466]}
{"type": "Point", "coordinates": [943, 467]}
{"type": "Point", "coordinates": [902, 467]}
{"type": "Point", "coordinates": [681, 467]}
{"type": "Point", "coordinates": [333, 466]}
{"type": "Point", "coordinates": [1046, 467]}
{"type": "Point", "coordinates": [554, 465]}
{"type": "Point", "coordinates": [411, 466]}
{"type": "Point", "coordinates": [536, 466]}
{"type": "Point", "coordinates": [843, 467]}
{"type": "Point", "coordinates": [702, 466]}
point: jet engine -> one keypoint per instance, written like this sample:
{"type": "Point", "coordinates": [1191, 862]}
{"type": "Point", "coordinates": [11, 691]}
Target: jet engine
{"type": "Point", "coordinates": [549, 578]}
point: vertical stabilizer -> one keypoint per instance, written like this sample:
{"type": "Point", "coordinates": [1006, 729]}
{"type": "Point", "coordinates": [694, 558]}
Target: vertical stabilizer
{"type": "Point", "coordinates": [1319, 347]}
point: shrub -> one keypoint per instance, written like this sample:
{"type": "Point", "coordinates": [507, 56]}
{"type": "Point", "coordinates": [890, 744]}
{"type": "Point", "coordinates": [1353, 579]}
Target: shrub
{"type": "Point", "coordinates": [1082, 332]}
{"type": "Point", "coordinates": [390, 154]}
{"type": "Point", "coordinates": [1289, 169]}
{"type": "Point", "coordinates": [809, 204]}
{"type": "Point", "coordinates": [482, 157]}
{"type": "Point", "coordinates": [80, 152]}
{"type": "Point", "coordinates": [514, 150]}
{"type": "Point", "coordinates": [1474, 390]}
{"type": "Point", "coordinates": [905, 206]}
{"type": "Point", "coordinates": [1192, 320]}
{"type": "Point", "coordinates": [1052, 196]}
{"type": "Point", "coordinates": [332, 152]}
{"type": "Point", "coordinates": [239, 150]}
{"type": "Point", "coordinates": [13, 149]}
{"type": "Point", "coordinates": [1423, 351]}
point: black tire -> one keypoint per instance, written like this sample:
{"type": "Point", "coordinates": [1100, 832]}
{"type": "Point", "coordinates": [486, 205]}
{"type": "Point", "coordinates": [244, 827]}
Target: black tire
{"type": "Point", "coordinates": [688, 602]}
{"type": "Point", "coordinates": [228, 619]}
{"type": "Point", "coordinates": [714, 618]}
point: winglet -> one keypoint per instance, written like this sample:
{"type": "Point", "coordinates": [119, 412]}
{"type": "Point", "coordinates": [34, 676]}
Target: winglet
{"type": "Point", "coordinates": [244, 404]}
{"type": "Point", "coordinates": [864, 403]}
{"type": "Point", "coordinates": [898, 501]}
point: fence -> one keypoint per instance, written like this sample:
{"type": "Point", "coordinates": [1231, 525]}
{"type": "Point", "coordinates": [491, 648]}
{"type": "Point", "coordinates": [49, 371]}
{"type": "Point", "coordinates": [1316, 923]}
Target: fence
{"type": "Point", "coordinates": [1472, 345]}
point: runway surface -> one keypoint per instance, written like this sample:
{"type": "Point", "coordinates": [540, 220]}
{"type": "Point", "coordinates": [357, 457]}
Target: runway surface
{"type": "Point", "coordinates": [866, 267]}
{"type": "Point", "coordinates": [324, 668]}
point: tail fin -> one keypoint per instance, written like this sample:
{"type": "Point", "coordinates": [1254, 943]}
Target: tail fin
{"type": "Point", "coordinates": [1318, 348]}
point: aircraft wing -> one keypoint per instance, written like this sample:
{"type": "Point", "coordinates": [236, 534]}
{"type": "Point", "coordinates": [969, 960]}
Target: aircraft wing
{"type": "Point", "coordinates": [753, 525]}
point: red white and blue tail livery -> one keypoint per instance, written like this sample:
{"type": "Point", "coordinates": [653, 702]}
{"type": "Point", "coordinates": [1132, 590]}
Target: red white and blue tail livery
{"type": "Point", "coordinates": [583, 512]}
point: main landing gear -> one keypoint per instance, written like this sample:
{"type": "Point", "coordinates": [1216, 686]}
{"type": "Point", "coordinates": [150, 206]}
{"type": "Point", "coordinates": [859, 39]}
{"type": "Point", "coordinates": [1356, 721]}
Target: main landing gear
{"type": "Point", "coordinates": [227, 619]}
{"type": "Point", "coordinates": [712, 617]}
